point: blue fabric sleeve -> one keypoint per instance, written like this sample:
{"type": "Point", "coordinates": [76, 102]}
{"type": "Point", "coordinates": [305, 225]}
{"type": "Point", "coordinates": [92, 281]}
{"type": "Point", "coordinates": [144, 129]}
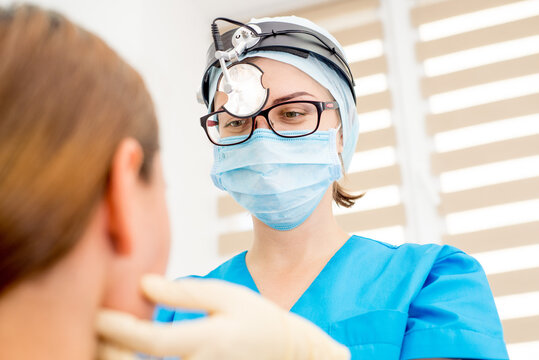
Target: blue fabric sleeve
{"type": "Point", "coordinates": [163, 314]}
{"type": "Point", "coordinates": [454, 315]}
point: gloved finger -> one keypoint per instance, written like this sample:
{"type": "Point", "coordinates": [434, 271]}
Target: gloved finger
{"type": "Point", "coordinates": [195, 294]}
{"type": "Point", "coordinates": [179, 339]}
{"type": "Point", "coordinates": [107, 351]}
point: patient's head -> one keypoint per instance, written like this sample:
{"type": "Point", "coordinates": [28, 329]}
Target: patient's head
{"type": "Point", "coordinates": [81, 186]}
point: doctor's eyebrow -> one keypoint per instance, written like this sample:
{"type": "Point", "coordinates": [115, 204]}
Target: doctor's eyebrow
{"type": "Point", "coordinates": [291, 96]}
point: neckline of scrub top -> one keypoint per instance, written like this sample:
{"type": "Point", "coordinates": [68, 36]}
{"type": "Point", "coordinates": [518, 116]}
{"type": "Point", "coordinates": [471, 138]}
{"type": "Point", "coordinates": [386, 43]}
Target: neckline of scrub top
{"type": "Point", "coordinates": [251, 284]}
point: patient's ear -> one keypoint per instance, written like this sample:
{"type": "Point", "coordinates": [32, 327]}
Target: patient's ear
{"type": "Point", "coordinates": [124, 181]}
{"type": "Point", "coordinates": [138, 227]}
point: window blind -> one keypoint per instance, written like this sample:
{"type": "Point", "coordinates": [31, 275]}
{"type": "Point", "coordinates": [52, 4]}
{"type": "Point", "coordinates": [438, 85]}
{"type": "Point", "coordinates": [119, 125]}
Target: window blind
{"type": "Point", "coordinates": [480, 62]}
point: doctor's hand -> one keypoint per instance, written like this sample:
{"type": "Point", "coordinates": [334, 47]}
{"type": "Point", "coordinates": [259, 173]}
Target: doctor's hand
{"type": "Point", "coordinates": [240, 325]}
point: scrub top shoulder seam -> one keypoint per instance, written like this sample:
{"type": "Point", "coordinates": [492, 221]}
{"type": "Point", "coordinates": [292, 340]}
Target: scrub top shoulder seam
{"type": "Point", "coordinates": [458, 251]}
{"type": "Point", "coordinates": [389, 246]}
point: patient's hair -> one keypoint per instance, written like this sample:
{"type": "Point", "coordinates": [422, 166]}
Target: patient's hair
{"type": "Point", "coordinates": [66, 102]}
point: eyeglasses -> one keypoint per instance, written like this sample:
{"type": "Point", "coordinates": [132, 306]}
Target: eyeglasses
{"type": "Point", "coordinates": [290, 119]}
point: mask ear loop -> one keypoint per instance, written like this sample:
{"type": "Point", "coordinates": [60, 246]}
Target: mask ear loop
{"type": "Point", "coordinates": [337, 130]}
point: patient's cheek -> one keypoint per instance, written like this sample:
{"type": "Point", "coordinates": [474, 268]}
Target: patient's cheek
{"type": "Point", "coordinates": [127, 297]}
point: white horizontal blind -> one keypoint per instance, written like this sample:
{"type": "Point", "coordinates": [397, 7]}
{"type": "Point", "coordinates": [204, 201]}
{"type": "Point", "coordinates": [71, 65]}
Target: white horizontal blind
{"type": "Point", "coordinates": [374, 168]}
{"type": "Point", "coordinates": [481, 83]}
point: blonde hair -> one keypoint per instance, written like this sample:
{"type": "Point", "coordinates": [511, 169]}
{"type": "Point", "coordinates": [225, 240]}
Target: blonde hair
{"type": "Point", "coordinates": [341, 196]}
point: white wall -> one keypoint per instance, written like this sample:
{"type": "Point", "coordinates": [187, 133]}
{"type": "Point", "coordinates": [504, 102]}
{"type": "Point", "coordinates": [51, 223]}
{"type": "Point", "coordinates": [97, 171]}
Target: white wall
{"type": "Point", "coordinates": [166, 41]}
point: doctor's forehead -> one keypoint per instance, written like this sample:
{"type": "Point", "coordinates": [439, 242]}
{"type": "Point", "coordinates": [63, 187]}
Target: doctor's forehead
{"type": "Point", "coordinates": [278, 74]}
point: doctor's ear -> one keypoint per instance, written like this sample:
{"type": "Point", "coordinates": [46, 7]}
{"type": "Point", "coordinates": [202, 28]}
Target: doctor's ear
{"type": "Point", "coordinates": [121, 195]}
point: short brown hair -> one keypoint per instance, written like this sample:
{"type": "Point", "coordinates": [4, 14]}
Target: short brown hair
{"type": "Point", "coordinates": [66, 102]}
{"type": "Point", "coordinates": [341, 196]}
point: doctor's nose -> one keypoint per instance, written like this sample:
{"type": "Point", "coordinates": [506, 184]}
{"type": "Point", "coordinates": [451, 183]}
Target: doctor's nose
{"type": "Point", "coordinates": [261, 123]}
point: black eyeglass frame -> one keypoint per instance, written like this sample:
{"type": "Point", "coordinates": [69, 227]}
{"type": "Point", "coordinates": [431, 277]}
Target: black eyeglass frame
{"type": "Point", "coordinates": [320, 107]}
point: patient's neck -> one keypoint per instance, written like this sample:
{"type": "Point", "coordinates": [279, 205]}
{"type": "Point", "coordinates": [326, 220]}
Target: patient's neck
{"type": "Point", "coordinates": [40, 324]}
{"type": "Point", "coordinates": [51, 316]}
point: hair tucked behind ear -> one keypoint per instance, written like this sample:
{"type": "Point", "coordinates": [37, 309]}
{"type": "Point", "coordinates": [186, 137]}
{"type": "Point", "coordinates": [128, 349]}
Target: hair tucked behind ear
{"type": "Point", "coordinates": [341, 196]}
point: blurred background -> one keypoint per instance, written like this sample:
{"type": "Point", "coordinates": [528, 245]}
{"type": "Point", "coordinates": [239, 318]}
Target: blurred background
{"type": "Point", "coordinates": [448, 97]}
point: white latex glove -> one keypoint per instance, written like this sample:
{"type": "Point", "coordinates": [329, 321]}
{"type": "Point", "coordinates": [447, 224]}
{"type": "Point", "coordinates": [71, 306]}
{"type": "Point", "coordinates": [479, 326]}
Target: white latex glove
{"type": "Point", "coordinates": [240, 325]}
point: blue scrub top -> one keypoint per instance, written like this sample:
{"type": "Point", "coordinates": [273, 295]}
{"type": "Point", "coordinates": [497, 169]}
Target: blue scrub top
{"type": "Point", "coordinates": [393, 302]}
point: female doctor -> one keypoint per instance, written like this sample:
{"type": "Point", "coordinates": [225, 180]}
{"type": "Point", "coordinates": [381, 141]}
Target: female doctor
{"type": "Point", "coordinates": [281, 163]}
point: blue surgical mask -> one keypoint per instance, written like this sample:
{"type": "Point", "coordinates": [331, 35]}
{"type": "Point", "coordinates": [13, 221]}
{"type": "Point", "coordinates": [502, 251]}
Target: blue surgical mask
{"type": "Point", "coordinates": [279, 180]}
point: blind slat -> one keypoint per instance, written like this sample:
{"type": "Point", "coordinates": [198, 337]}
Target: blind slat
{"type": "Point", "coordinates": [232, 243]}
{"type": "Point", "coordinates": [484, 154]}
{"type": "Point", "coordinates": [359, 33]}
{"type": "Point", "coordinates": [498, 194]}
{"type": "Point", "coordinates": [368, 67]}
{"type": "Point", "coordinates": [521, 330]}
{"type": "Point", "coordinates": [370, 179]}
{"type": "Point", "coordinates": [514, 282]}
{"type": "Point", "coordinates": [227, 206]}
{"type": "Point", "coordinates": [318, 13]}
{"type": "Point", "coordinates": [372, 219]}
{"type": "Point", "coordinates": [374, 102]}
{"type": "Point", "coordinates": [496, 238]}
{"type": "Point", "coordinates": [376, 139]}
{"type": "Point", "coordinates": [499, 110]}
{"type": "Point", "coordinates": [424, 14]}
{"type": "Point", "coordinates": [487, 36]}
{"type": "Point", "coordinates": [481, 75]}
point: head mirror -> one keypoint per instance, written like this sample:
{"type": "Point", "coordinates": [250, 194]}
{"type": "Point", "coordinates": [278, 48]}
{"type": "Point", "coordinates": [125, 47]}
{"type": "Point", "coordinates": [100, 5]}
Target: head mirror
{"type": "Point", "coordinates": [246, 95]}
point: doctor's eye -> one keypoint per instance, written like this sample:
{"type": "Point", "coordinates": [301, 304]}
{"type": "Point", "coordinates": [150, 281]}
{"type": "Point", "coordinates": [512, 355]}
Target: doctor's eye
{"type": "Point", "coordinates": [292, 114]}
{"type": "Point", "coordinates": [235, 123]}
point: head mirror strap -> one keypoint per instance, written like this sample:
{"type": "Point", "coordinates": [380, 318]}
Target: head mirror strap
{"type": "Point", "coordinates": [277, 26]}
{"type": "Point", "coordinates": [298, 52]}
{"type": "Point", "coordinates": [294, 42]}
{"type": "Point", "coordinates": [288, 40]}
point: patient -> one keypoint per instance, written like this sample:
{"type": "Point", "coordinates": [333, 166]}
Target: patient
{"type": "Point", "coordinates": [81, 186]}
